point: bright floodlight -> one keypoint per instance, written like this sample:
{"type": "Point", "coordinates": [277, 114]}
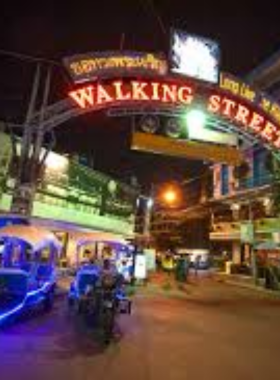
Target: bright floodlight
{"type": "Point", "coordinates": [195, 56]}
{"type": "Point", "coordinates": [57, 163]}
{"type": "Point", "coordinates": [150, 203]}
{"type": "Point", "coordinates": [196, 120]}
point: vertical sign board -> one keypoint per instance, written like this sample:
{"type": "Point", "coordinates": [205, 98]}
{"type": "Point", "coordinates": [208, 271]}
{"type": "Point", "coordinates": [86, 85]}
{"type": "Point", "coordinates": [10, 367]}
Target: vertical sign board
{"type": "Point", "coordinates": [150, 255]}
{"type": "Point", "coordinates": [247, 232]}
{"type": "Point", "coordinates": [140, 268]}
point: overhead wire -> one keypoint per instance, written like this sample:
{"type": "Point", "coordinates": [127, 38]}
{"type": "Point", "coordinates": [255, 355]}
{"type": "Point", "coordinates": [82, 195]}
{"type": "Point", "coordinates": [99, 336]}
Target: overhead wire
{"type": "Point", "coordinates": [150, 7]}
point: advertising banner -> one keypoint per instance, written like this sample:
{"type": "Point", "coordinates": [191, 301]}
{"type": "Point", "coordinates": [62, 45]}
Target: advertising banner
{"type": "Point", "coordinates": [194, 56]}
{"type": "Point", "coordinates": [185, 149]}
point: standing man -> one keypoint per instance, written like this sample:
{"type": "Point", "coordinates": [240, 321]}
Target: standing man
{"type": "Point", "coordinates": [196, 264]}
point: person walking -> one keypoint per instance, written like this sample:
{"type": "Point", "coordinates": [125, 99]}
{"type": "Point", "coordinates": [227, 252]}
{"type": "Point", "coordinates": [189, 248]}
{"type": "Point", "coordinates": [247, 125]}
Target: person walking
{"type": "Point", "coordinates": [196, 264]}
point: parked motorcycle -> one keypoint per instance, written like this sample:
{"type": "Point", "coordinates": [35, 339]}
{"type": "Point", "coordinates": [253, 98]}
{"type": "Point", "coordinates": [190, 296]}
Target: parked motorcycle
{"type": "Point", "coordinates": [99, 298]}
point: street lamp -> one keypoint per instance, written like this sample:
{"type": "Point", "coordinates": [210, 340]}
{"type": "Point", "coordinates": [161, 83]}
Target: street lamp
{"type": "Point", "coordinates": [170, 196]}
{"type": "Point", "coordinates": [150, 203]}
{"type": "Point", "coordinates": [196, 121]}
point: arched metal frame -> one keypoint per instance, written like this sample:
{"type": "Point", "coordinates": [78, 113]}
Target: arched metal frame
{"type": "Point", "coordinates": [64, 110]}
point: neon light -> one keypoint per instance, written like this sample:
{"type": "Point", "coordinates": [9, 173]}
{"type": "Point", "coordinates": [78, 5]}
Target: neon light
{"type": "Point", "coordinates": [276, 143]}
{"type": "Point", "coordinates": [170, 93]}
{"type": "Point", "coordinates": [256, 122]}
{"type": "Point", "coordinates": [155, 95]}
{"type": "Point", "coordinates": [269, 131]}
{"type": "Point", "coordinates": [83, 97]}
{"type": "Point", "coordinates": [86, 67]}
{"type": "Point", "coordinates": [138, 92]}
{"type": "Point", "coordinates": [214, 104]}
{"type": "Point", "coordinates": [22, 304]}
{"type": "Point", "coordinates": [103, 96]}
{"type": "Point", "coordinates": [185, 94]}
{"type": "Point", "coordinates": [106, 94]}
{"type": "Point", "coordinates": [175, 93]}
{"type": "Point", "coordinates": [242, 114]}
{"type": "Point", "coordinates": [120, 95]}
{"type": "Point", "coordinates": [228, 107]}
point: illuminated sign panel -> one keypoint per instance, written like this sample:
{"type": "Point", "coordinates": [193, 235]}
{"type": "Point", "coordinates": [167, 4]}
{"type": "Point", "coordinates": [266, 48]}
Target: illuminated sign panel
{"type": "Point", "coordinates": [194, 56]}
{"type": "Point", "coordinates": [178, 94]}
{"type": "Point", "coordinates": [134, 91]}
{"type": "Point", "coordinates": [86, 67]}
{"type": "Point", "coordinates": [185, 149]}
{"type": "Point", "coordinates": [239, 88]}
{"type": "Point", "coordinates": [215, 137]}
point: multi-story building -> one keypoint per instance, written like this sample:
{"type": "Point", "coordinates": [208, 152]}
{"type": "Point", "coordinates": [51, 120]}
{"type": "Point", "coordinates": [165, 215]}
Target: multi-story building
{"type": "Point", "coordinates": [245, 206]}
{"type": "Point", "coordinates": [69, 192]}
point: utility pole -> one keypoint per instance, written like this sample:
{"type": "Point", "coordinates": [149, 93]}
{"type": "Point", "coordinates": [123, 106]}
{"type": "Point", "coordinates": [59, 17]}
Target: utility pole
{"type": "Point", "coordinates": [253, 250]}
{"type": "Point", "coordinates": [22, 188]}
{"type": "Point", "coordinates": [29, 167]}
{"type": "Point", "coordinates": [39, 134]}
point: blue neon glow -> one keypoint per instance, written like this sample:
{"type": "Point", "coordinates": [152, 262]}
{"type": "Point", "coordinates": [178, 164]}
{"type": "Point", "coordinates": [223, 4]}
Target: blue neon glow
{"type": "Point", "coordinates": [28, 295]}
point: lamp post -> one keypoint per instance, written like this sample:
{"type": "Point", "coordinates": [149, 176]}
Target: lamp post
{"type": "Point", "coordinates": [253, 251]}
{"type": "Point", "coordinates": [147, 217]}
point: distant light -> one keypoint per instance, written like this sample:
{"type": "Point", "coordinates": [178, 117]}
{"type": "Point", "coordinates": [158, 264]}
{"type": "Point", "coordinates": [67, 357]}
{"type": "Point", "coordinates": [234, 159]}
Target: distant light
{"type": "Point", "coordinates": [235, 207]}
{"type": "Point", "coordinates": [196, 120]}
{"type": "Point", "coordinates": [170, 196]}
{"type": "Point", "coordinates": [266, 202]}
{"type": "Point", "coordinates": [57, 163]}
{"type": "Point", "coordinates": [150, 203]}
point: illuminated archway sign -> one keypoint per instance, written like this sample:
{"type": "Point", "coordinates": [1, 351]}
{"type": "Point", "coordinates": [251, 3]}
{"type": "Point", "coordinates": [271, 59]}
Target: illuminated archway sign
{"type": "Point", "coordinates": [179, 94]}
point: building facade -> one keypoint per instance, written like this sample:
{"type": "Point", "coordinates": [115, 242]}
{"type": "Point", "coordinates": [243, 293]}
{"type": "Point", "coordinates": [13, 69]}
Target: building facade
{"type": "Point", "coordinates": [73, 193]}
{"type": "Point", "coordinates": [245, 203]}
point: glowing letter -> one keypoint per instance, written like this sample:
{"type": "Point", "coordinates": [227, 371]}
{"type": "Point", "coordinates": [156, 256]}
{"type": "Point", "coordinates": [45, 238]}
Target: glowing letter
{"type": "Point", "coordinates": [119, 91]}
{"type": "Point", "coordinates": [242, 114]}
{"type": "Point", "coordinates": [276, 143]}
{"type": "Point", "coordinates": [83, 97]}
{"type": "Point", "coordinates": [138, 90]}
{"type": "Point", "coordinates": [214, 104]}
{"type": "Point", "coordinates": [256, 122]}
{"type": "Point", "coordinates": [185, 95]}
{"type": "Point", "coordinates": [155, 95]}
{"type": "Point", "coordinates": [269, 131]}
{"type": "Point", "coordinates": [102, 95]}
{"type": "Point", "coordinates": [228, 106]}
{"type": "Point", "coordinates": [169, 93]}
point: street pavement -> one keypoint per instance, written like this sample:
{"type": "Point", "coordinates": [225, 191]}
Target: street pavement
{"type": "Point", "coordinates": [204, 330]}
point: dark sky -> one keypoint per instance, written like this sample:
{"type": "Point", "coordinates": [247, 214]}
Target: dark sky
{"type": "Point", "coordinates": [248, 32]}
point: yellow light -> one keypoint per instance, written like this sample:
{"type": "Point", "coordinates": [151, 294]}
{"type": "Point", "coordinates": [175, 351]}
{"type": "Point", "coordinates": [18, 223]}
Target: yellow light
{"type": "Point", "coordinates": [56, 163]}
{"type": "Point", "coordinates": [170, 196]}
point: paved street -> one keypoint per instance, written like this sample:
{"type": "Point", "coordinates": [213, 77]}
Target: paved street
{"type": "Point", "coordinates": [213, 331]}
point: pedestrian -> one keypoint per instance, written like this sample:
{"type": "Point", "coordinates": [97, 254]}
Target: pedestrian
{"type": "Point", "coordinates": [197, 264]}
{"type": "Point", "coordinates": [187, 266]}
{"type": "Point", "coordinates": [180, 270]}
{"type": "Point", "coordinates": [168, 263]}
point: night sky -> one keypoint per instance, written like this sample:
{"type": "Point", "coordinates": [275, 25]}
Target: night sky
{"type": "Point", "coordinates": [248, 32]}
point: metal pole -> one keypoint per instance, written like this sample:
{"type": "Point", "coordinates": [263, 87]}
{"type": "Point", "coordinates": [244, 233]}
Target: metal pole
{"type": "Point", "coordinates": [253, 251]}
{"type": "Point", "coordinates": [40, 133]}
{"type": "Point", "coordinates": [22, 182]}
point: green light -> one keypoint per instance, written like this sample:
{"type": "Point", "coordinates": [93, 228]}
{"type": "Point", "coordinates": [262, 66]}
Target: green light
{"type": "Point", "coordinates": [196, 120]}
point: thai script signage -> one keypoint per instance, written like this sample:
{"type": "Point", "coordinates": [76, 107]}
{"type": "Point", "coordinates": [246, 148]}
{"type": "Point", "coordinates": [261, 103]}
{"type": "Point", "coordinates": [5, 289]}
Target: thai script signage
{"type": "Point", "coordinates": [86, 67]}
